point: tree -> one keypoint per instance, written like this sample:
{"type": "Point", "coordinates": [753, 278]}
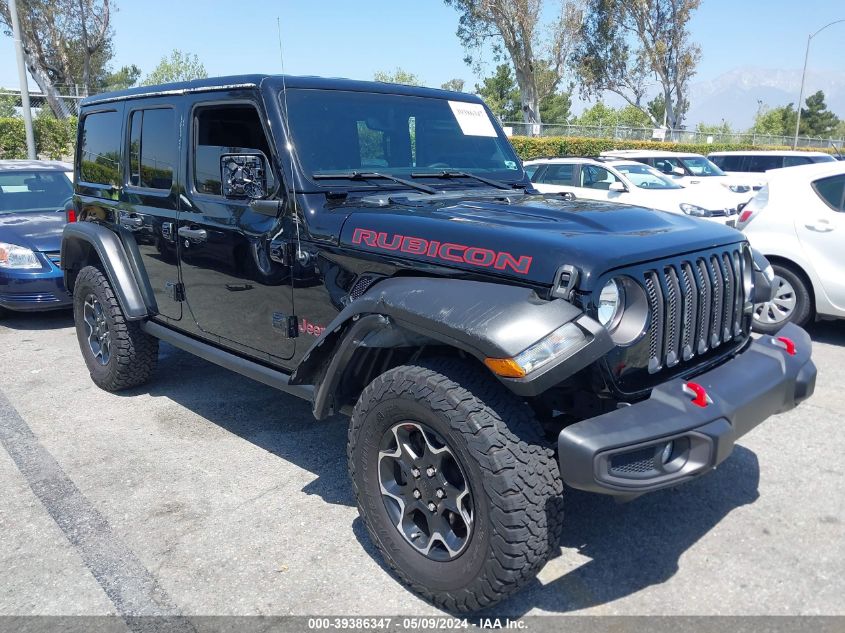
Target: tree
{"type": "Point", "coordinates": [816, 119]}
{"type": "Point", "coordinates": [598, 115]}
{"type": "Point", "coordinates": [625, 42]}
{"type": "Point", "coordinates": [8, 103]}
{"type": "Point", "coordinates": [555, 108]}
{"type": "Point", "coordinates": [714, 129]}
{"type": "Point", "coordinates": [775, 121]}
{"type": "Point", "coordinates": [500, 93]}
{"type": "Point", "coordinates": [513, 27]}
{"type": "Point", "coordinates": [398, 76]}
{"type": "Point", "coordinates": [178, 67]}
{"type": "Point", "coordinates": [456, 85]}
{"type": "Point", "coordinates": [124, 77]}
{"type": "Point", "coordinates": [65, 43]}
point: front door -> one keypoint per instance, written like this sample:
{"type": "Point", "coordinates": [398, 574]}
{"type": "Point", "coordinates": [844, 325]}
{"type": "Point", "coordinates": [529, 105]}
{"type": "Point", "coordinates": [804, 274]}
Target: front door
{"type": "Point", "coordinates": [234, 291]}
{"type": "Point", "coordinates": [150, 199]}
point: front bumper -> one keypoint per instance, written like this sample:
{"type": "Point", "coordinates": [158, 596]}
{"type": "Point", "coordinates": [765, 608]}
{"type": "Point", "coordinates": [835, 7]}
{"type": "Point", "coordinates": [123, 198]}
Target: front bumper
{"type": "Point", "coordinates": [668, 439]}
{"type": "Point", "coordinates": [33, 291]}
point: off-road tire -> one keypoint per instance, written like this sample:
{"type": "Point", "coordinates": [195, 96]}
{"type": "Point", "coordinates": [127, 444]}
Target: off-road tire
{"type": "Point", "coordinates": [511, 471]}
{"type": "Point", "coordinates": [804, 309]}
{"type": "Point", "coordinates": [134, 354]}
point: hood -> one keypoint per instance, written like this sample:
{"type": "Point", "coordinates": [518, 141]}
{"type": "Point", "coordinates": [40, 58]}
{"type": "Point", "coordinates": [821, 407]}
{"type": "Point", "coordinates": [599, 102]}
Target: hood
{"type": "Point", "coordinates": [33, 230]}
{"type": "Point", "coordinates": [530, 237]}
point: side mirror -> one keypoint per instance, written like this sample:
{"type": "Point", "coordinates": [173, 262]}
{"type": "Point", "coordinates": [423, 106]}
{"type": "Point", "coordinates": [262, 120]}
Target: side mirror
{"type": "Point", "coordinates": [678, 171]}
{"type": "Point", "coordinates": [243, 176]}
{"type": "Point", "coordinates": [618, 187]}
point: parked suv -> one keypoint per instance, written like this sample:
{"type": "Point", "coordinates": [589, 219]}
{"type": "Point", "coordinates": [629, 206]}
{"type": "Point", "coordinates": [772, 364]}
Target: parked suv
{"type": "Point", "coordinates": [630, 182]}
{"type": "Point", "coordinates": [378, 250]}
{"type": "Point", "coordinates": [753, 164]}
{"type": "Point", "coordinates": [797, 220]}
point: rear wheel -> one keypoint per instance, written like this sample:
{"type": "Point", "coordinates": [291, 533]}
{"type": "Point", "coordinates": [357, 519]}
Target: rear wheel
{"type": "Point", "coordinates": [119, 355]}
{"type": "Point", "coordinates": [454, 483]}
{"type": "Point", "coordinates": [792, 302]}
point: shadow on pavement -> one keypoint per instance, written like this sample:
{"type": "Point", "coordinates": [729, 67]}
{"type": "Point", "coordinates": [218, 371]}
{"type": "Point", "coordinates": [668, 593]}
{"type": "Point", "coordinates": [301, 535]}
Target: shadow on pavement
{"type": "Point", "coordinates": [830, 332]}
{"type": "Point", "coordinates": [630, 546]}
{"type": "Point", "coordinates": [51, 320]}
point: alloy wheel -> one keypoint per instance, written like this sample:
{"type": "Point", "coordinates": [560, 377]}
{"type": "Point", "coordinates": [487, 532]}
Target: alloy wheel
{"type": "Point", "coordinates": [782, 305]}
{"type": "Point", "coordinates": [97, 329]}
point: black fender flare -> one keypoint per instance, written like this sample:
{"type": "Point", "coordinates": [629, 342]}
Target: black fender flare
{"type": "Point", "coordinates": [77, 238]}
{"type": "Point", "coordinates": [483, 319]}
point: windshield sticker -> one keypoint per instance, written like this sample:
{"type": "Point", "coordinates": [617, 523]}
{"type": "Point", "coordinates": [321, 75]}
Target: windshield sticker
{"type": "Point", "coordinates": [473, 119]}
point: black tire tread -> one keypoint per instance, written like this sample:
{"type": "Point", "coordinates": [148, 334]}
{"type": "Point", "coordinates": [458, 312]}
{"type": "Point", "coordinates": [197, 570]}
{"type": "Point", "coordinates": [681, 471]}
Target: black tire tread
{"type": "Point", "coordinates": [521, 475]}
{"type": "Point", "coordinates": [134, 351]}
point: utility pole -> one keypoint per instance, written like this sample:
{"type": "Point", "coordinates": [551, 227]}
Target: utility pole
{"type": "Point", "coordinates": [27, 113]}
{"type": "Point", "coordinates": [804, 76]}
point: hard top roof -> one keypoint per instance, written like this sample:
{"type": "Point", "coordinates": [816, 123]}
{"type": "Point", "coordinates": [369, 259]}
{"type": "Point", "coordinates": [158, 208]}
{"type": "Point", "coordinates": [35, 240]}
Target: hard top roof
{"type": "Point", "coordinates": [770, 152]}
{"type": "Point", "coordinates": [34, 165]}
{"type": "Point", "coordinates": [276, 82]}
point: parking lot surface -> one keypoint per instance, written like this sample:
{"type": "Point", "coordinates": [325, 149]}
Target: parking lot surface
{"type": "Point", "coordinates": [204, 492]}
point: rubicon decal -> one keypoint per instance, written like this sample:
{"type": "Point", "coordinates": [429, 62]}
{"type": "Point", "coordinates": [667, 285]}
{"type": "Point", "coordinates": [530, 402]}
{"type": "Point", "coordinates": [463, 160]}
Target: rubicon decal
{"type": "Point", "coordinates": [447, 251]}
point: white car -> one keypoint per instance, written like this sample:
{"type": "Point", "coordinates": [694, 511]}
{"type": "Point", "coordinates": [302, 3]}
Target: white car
{"type": "Point", "coordinates": [629, 182]}
{"type": "Point", "coordinates": [798, 222]}
{"type": "Point", "coordinates": [751, 165]}
{"type": "Point", "coordinates": [690, 170]}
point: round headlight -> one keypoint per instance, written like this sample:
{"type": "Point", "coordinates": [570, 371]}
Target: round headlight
{"type": "Point", "coordinates": [611, 300]}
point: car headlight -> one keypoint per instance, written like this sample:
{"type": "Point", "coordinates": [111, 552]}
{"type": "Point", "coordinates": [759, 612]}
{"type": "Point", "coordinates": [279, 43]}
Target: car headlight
{"type": "Point", "coordinates": [610, 304]}
{"type": "Point", "coordinates": [696, 211]}
{"type": "Point", "coordinates": [739, 188]}
{"type": "Point", "coordinates": [13, 256]}
{"type": "Point", "coordinates": [564, 341]}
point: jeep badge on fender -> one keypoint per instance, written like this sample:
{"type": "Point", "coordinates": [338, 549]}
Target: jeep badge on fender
{"type": "Point", "coordinates": [378, 250]}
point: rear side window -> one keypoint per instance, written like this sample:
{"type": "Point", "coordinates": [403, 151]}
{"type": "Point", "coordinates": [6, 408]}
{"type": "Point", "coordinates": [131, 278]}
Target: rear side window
{"type": "Point", "coordinates": [728, 163]}
{"type": "Point", "coordinates": [557, 175]}
{"type": "Point", "coordinates": [530, 170]}
{"type": "Point", "coordinates": [99, 154]}
{"type": "Point", "coordinates": [763, 163]}
{"type": "Point", "coordinates": [153, 148]}
{"type": "Point", "coordinates": [794, 161]}
{"type": "Point", "coordinates": [832, 191]}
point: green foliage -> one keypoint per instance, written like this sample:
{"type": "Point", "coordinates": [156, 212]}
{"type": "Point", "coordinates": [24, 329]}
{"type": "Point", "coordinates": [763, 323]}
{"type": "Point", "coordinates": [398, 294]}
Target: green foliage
{"type": "Point", "coordinates": [555, 108]}
{"type": "Point", "coordinates": [178, 67]}
{"type": "Point", "coordinates": [816, 119]}
{"type": "Point", "coordinates": [601, 115]}
{"type": "Point", "coordinates": [456, 85]}
{"type": "Point", "coordinates": [528, 147]}
{"type": "Point", "coordinates": [398, 76]}
{"type": "Point", "coordinates": [7, 105]}
{"type": "Point", "coordinates": [775, 121]}
{"type": "Point", "coordinates": [54, 138]}
{"type": "Point", "coordinates": [125, 77]}
{"type": "Point", "coordinates": [714, 128]}
{"type": "Point", "coordinates": [501, 94]}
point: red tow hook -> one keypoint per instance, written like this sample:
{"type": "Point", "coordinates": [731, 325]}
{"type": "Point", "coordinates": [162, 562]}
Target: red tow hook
{"type": "Point", "coordinates": [786, 343]}
{"type": "Point", "coordinates": [699, 393]}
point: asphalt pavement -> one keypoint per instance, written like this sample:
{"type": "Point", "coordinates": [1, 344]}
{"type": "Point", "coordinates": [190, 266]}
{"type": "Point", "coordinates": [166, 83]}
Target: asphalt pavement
{"type": "Point", "coordinates": [205, 493]}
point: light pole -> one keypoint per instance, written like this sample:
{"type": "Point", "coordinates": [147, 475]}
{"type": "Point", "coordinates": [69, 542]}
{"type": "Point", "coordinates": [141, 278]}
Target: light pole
{"type": "Point", "coordinates": [27, 114]}
{"type": "Point", "coordinates": [804, 76]}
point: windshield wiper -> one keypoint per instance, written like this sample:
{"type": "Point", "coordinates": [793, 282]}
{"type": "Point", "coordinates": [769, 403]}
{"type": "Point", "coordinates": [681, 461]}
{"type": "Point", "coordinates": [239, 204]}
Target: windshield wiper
{"type": "Point", "coordinates": [368, 175]}
{"type": "Point", "coordinates": [461, 174]}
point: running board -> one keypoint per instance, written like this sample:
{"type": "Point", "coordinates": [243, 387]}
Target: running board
{"type": "Point", "coordinates": [272, 377]}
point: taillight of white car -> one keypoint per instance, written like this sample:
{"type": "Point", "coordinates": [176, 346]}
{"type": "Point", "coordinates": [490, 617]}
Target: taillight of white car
{"type": "Point", "coordinates": [753, 208]}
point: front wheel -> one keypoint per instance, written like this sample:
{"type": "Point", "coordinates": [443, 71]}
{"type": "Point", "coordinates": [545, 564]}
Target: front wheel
{"type": "Point", "coordinates": [792, 302]}
{"type": "Point", "coordinates": [119, 355]}
{"type": "Point", "coordinates": [454, 483]}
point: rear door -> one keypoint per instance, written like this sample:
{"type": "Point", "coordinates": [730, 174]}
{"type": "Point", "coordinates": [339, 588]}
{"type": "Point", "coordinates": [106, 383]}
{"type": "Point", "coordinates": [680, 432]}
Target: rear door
{"type": "Point", "coordinates": [555, 178]}
{"type": "Point", "coordinates": [236, 294]}
{"type": "Point", "coordinates": [594, 184]}
{"type": "Point", "coordinates": [821, 228]}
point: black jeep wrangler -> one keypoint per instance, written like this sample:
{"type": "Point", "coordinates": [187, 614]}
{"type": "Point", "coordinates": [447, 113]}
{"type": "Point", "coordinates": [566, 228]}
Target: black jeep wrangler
{"type": "Point", "coordinates": [379, 250]}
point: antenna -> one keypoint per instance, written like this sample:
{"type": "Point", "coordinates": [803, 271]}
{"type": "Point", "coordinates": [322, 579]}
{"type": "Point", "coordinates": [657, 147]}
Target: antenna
{"type": "Point", "coordinates": [288, 144]}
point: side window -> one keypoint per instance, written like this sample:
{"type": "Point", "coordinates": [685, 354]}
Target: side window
{"type": "Point", "coordinates": [728, 163]}
{"type": "Point", "coordinates": [666, 165]}
{"type": "Point", "coordinates": [593, 177]}
{"type": "Point", "coordinates": [832, 191]}
{"type": "Point", "coordinates": [153, 148]}
{"type": "Point", "coordinates": [530, 170]}
{"type": "Point", "coordinates": [99, 152]}
{"type": "Point", "coordinates": [794, 161]}
{"type": "Point", "coordinates": [762, 163]}
{"type": "Point", "coordinates": [557, 174]}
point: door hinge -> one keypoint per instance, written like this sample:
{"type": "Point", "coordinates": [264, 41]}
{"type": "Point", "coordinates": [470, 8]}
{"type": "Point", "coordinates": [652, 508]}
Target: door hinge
{"type": "Point", "coordinates": [175, 290]}
{"type": "Point", "coordinates": [282, 252]}
{"type": "Point", "coordinates": [288, 325]}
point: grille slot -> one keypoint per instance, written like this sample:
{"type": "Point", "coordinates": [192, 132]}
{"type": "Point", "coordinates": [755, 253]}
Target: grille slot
{"type": "Point", "coordinates": [695, 305]}
{"type": "Point", "coordinates": [362, 284]}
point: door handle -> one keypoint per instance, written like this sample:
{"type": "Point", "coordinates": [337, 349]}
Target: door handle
{"type": "Point", "coordinates": [820, 226]}
{"type": "Point", "coordinates": [200, 235]}
{"type": "Point", "coordinates": [131, 221]}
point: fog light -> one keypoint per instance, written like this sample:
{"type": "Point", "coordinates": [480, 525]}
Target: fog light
{"type": "Point", "coordinates": [666, 455]}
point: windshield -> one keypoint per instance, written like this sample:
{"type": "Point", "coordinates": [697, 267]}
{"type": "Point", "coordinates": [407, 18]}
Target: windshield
{"type": "Point", "coordinates": [645, 177]}
{"type": "Point", "coordinates": [340, 132]}
{"type": "Point", "coordinates": [700, 166]}
{"type": "Point", "coordinates": [24, 191]}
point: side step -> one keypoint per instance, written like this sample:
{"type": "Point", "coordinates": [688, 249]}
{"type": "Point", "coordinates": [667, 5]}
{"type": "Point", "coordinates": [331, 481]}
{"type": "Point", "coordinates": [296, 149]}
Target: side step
{"type": "Point", "coordinates": [274, 378]}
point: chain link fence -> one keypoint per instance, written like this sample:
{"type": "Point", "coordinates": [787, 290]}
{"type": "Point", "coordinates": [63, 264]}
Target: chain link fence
{"type": "Point", "coordinates": [11, 99]}
{"type": "Point", "coordinates": [624, 133]}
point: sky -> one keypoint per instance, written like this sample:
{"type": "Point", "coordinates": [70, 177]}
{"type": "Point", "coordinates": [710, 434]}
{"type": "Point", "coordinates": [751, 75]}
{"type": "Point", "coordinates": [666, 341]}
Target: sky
{"type": "Point", "coordinates": [356, 39]}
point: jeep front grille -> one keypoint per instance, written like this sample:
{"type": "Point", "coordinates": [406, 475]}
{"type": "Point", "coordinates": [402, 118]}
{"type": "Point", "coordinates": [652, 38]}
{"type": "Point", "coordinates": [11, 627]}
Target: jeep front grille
{"type": "Point", "coordinates": [695, 305]}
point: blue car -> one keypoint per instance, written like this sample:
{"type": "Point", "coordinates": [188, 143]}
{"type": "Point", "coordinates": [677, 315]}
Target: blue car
{"type": "Point", "coordinates": [33, 195]}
